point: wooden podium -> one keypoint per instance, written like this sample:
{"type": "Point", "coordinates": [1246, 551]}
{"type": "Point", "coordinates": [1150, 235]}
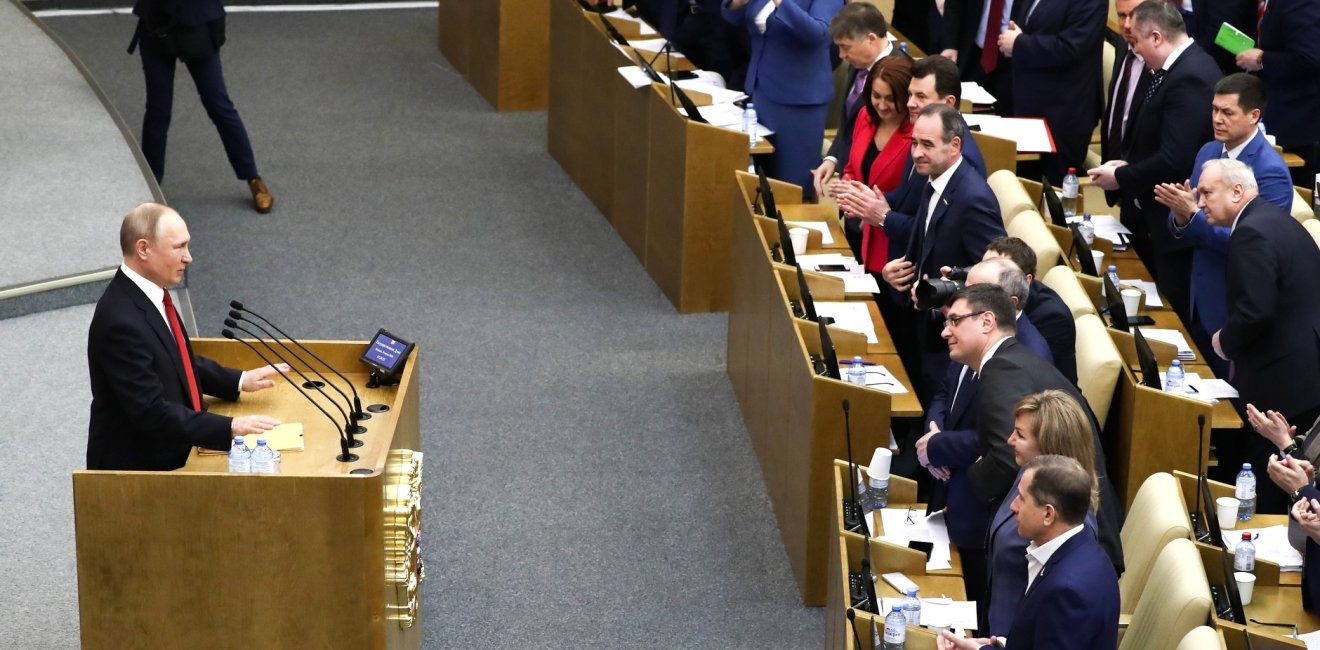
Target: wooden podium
{"type": "Point", "coordinates": [500, 47]}
{"type": "Point", "coordinates": [322, 555]}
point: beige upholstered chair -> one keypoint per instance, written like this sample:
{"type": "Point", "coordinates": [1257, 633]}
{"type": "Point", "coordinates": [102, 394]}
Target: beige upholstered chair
{"type": "Point", "coordinates": [1301, 211]}
{"type": "Point", "coordinates": [1098, 365]}
{"type": "Point", "coordinates": [1013, 199]}
{"type": "Point", "coordinates": [1029, 227]}
{"type": "Point", "coordinates": [1157, 517]}
{"type": "Point", "coordinates": [1175, 601]}
{"type": "Point", "coordinates": [1202, 638]}
{"type": "Point", "coordinates": [1064, 282]}
{"type": "Point", "coordinates": [1313, 226]}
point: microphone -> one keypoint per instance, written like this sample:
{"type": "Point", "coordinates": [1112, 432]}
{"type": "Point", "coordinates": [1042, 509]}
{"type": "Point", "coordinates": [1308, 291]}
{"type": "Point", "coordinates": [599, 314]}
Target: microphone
{"type": "Point", "coordinates": [344, 456]}
{"type": "Point", "coordinates": [1200, 520]}
{"type": "Point", "coordinates": [348, 425]}
{"type": "Point", "coordinates": [852, 622]}
{"type": "Point", "coordinates": [851, 516]}
{"type": "Point", "coordinates": [358, 413]}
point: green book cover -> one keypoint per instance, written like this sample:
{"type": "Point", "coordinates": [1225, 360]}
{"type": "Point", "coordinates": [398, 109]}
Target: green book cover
{"type": "Point", "coordinates": [1232, 39]}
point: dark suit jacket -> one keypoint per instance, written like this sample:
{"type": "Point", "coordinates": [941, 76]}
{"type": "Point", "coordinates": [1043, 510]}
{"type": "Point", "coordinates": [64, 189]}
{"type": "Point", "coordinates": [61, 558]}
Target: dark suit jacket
{"type": "Point", "coordinates": [1060, 46]}
{"type": "Point", "coordinates": [1073, 602]}
{"type": "Point", "coordinates": [1113, 150]}
{"type": "Point", "coordinates": [790, 62]}
{"type": "Point", "coordinates": [1162, 144]}
{"type": "Point", "coordinates": [1289, 34]}
{"type": "Point", "coordinates": [189, 12]}
{"type": "Point", "coordinates": [1310, 562]}
{"type": "Point", "coordinates": [1054, 321]}
{"type": "Point", "coordinates": [1006, 558]}
{"type": "Point", "coordinates": [961, 225]}
{"type": "Point", "coordinates": [903, 199]}
{"type": "Point", "coordinates": [140, 417]}
{"type": "Point", "coordinates": [1273, 328]}
{"type": "Point", "coordinates": [843, 136]}
{"type": "Point", "coordinates": [982, 460]}
{"type": "Point", "coordinates": [961, 18]}
{"type": "Point", "coordinates": [1210, 243]}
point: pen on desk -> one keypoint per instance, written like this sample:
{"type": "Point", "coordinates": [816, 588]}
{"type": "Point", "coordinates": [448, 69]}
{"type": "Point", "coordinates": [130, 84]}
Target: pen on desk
{"type": "Point", "coordinates": [849, 362]}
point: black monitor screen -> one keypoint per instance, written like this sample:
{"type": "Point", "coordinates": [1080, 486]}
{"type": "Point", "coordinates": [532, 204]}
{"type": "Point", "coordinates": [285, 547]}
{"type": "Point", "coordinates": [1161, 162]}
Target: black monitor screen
{"type": "Point", "coordinates": [1053, 204]}
{"type": "Point", "coordinates": [1085, 261]}
{"type": "Point", "coordinates": [1150, 371]}
{"type": "Point", "coordinates": [808, 305]}
{"type": "Point", "coordinates": [387, 353]}
{"type": "Point", "coordinates": [829, 360]}
{"type": "Point", "coordinates": [1118, 316]}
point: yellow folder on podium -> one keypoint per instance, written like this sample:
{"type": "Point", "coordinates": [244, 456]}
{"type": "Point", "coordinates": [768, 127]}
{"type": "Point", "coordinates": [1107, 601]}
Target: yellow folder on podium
{"type": "Point", "coordinates": [285, 437]}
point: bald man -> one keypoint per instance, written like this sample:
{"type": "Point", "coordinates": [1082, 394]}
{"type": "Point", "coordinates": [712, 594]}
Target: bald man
{"type": "Point", "coordinates": [147, 410]}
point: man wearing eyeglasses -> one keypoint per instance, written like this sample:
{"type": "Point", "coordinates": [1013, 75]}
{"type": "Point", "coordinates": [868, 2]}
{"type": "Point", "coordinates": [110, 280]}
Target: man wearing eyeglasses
{"type": "Point", "coordinates": [977, 462]}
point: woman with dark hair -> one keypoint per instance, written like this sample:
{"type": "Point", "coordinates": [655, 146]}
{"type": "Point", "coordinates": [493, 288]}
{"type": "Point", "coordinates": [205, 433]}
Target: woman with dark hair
{"type": "Point", "coordinates": [881, 138]}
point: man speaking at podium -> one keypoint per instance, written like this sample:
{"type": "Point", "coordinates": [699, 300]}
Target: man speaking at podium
{"type": "Point", "coordinates": [147, 411]}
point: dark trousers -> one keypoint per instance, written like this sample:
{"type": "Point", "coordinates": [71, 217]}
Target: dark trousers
{"type": "Point", "coordinates": [209, 78]}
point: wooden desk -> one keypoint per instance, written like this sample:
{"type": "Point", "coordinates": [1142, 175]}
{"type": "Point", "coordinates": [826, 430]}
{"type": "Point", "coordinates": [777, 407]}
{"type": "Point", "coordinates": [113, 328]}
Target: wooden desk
{"type": "Point", "coordinates": [332, 542]}
{"type": "Point", "coordinates": [500, 47]}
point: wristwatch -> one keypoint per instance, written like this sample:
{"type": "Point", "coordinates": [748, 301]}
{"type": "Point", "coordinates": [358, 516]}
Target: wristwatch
{"type": "Point", "coordinates": [1296, 495]}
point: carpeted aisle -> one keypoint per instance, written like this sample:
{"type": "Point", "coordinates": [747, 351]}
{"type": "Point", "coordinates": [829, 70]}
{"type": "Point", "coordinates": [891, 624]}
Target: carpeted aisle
{"type": "Point", "coordinates": [590, 483]}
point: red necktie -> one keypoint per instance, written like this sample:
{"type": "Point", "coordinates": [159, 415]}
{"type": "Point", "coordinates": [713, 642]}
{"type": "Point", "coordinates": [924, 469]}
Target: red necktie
{"type": "Point", "coordinates": [1260, 16]}
{"type": "Point", "coordinates": [990, 48]}
{"type": "Point", "coordinates": [182, 343]}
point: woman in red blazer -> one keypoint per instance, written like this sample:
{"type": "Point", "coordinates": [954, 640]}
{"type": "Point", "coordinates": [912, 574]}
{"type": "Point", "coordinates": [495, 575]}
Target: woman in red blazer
{"type": "Point", "coordinates": [881, 139]}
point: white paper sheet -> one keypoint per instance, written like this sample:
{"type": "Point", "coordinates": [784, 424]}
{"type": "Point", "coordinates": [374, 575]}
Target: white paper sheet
{"type": "Point", "coordinates": [974, 93]}
{"type": "Point", "coordinates": [635, 76]}
{"type": "Point", "coordinates": [1147, 287]}
{"type": "Point", "coordinates": [1031, 134]}
{"type": "Point", "coordinates": [1192, 383]}
{"type": "Point", "coordinates": [1311, 639]}
{"type": "Point", "coordinates": [852, 316]}
{"type": "Point", "coordinates": [717, 94]}
{"type": "Point", "coordinates": [922, 529]}
{"type": "Point", "coordinates": [819, 226]}
{"type": "Point", "coordinates": [653, 46]}
{"type": "Point", "coordinates": [647, 30]}
{"type": "Point", "coordinates": [959, 614]}
{"type": "Point", "coordinates": [1271, 544]}
{"type": "Point", "coordinates": [1173, 337]}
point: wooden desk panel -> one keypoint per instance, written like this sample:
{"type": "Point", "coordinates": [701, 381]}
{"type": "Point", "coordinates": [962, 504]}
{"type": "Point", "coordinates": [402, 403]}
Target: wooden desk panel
{"type": "Point", "coordinates": [499, 46]}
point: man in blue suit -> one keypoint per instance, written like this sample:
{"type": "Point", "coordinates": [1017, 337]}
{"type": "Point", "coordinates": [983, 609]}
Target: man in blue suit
{"type": "Point", "coordinates": [955, 219]}
{"type": "Point", "coordinates": [1072, 590]}
{"type": "Point", "coordinates": [192, 32]}
{"type": "Point", "coordinates": [790, 77]}
{"type": "Point", "coordinates": [1235, 112]}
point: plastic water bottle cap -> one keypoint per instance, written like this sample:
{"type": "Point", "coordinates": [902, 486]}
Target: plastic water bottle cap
{"type": "Point", "coordinates": [1086, 216]}
{"type": "Point", "coordinates": [898, 608]}
{"type": "Point", "coordinates": [261, 442]}
{"type": "Point", "coordinates": [1177, 363]}
{"type": "Point", "coordinates": [1113, 269]}
{"type": "Point", "coordinates": [238, 440]}
{"type": "Point", "coordinates": [912, 591]}
{"type": "Point", "coordinates": [1246, 467]}
{"type": "Point", "coordinates": [1246, 537]}
{"type": "Point", "coordinates": [1072, 171]}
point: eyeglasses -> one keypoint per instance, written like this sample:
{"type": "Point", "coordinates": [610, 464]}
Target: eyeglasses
{"type": "Point", "coordinates": [952, 320]}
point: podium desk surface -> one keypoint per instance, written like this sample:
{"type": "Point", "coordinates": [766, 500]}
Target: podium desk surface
{"type": "Point", "coordinates": [1279, 605]}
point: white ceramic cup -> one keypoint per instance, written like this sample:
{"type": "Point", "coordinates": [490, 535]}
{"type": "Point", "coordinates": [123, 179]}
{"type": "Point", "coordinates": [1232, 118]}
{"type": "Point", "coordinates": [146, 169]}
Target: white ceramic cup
{"type": "Point", "coordinates": [799, 237]}
{"type": "Point", "coordinates": [1131, 301]}
{"type": "Point", "coordinates": [1099, 257]}
{"type": "Point", "coordinates": [1227, 507]}
{"type": "Point", "coordinates": [1246, 583]}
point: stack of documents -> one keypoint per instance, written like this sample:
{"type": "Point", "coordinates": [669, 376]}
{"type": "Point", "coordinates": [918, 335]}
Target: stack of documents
{"type": "Point", "coordinates": [937, 612]}
{"type": "Point", "coordinates": [929, 529]}
{"type": "Point", "coordinates": [646, 30]}
{"type": "Point", "coordinates": [1172, 337]}
{"type": "Point", "coordinates": [1031, 133]}
{"type": "Point", "coordinates": [851, 316]}
{"type": "Point", "coordinates": [1206, 389]}
{"type": "Point", "coordinates": [854, 281]}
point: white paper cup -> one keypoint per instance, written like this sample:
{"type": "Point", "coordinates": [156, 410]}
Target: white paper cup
{"type": "Point", "coordinates": [1131, 301]}
{"type": "Point", "coordinates": [1099, 257]}
{"type": "Point", "coordinates": [799, 237]}
{"type": "Point", "coordinates": [1227, 507]}
{"type": "Point", "coordinates": [880, 462]}
{"type": "Point", "coordinates": [1246, 583]}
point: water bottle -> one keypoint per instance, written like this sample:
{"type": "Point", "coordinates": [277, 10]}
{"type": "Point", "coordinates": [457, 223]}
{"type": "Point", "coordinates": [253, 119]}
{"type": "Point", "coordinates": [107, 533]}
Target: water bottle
{"type": "Point", "coordinates": [263, 458]}
{"type": "Point", "coordinates": [877, 493]}
{"type": "Point", "coordinates": [902, 47]}
{"type": "Point", "coordinates": [1174, 378]}
{"type": "Point", "coordinates": [1087, 228]}
{"type": "Point", "coordinates": [1112, 274]}
{"type": "Point", "coordinates": [912, 607]}
{"type": "Point", "coordinates": [1246, 493]}
{"type": "Point", "coordinates": [857, 372]}
{"type": "Point", "coordinates": [1244, 556]}
{"type": "Point", "coordinates": [1070, 190]}
{"type": "Point", "coordinates": [895, 630]}
{"type": "Point", "coordinates": [749, 124]}
{"type": "Point", "coordinates": [240, 459]}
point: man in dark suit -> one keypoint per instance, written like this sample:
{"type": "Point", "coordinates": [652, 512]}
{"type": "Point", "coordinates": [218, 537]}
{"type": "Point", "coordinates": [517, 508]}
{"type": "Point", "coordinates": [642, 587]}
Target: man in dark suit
{"type": "Point", "coordinates": [1053, 44]}
{"type": "Point", "coordinates": [1272, 334]}
{"type": "Point", "coordinates": [1173, 122]}
{"type": "Point", "coordinates": [1047, 311]}
{"type": "Point", "coordinates": [1288, 60]}
{"type": "Point", "coordinates": [861, 34]}
{"type": "Point", "coordinates": [192, 32]}
{"type": "Point", "coordinates": [970, 38]}
{"type": "Point", "coordinates": [1234, 114]}
{"type": "Point", "coordinates": [1128, 82]}
{"type": "Point", "coordinates": [696, 29]}
{"type": "Point", "coordinates": [1072, 590]}
{"type": "Point", "coordinates": [147, 411]}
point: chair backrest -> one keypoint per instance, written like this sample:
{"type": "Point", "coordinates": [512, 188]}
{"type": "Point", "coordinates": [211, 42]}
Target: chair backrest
{"type": "Point", "coordinates": [1064, 282]}
{"type": "Point", "coordinates": [1301, 208]}
{"type": "Point", "coordinates": [1202, 638]}
{"type": "Point", "coordinates": [1029, 227]}
{"type": "Point", "coordinates": [1175, 601]}
{"type": "Point", "coordinates": [1013, 198]}
{"type": "Point", "coordinates": [999, 153]}
{"type": "Point", "coordinates": [1313, 226]}
{"type": "Point", "coordinates": [1157, 517]}
{"type": "Point", "coordinates": [1098, 365]}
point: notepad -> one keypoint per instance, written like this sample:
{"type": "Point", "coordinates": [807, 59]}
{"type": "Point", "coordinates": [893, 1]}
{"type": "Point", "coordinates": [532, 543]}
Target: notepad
{"type": "Point", "coordinates": [285, 437]}
{"type": "Point", "coordinates": [1233, 39]}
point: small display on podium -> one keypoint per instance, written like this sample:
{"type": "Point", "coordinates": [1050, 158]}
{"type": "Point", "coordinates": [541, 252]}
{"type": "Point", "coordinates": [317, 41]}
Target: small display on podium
{"type": "Point", "coordinates": [386, 354]}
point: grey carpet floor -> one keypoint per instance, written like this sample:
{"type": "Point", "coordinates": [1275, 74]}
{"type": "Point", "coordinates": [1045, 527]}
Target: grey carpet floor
{"type": "Point", "coordinates": [590, 483]}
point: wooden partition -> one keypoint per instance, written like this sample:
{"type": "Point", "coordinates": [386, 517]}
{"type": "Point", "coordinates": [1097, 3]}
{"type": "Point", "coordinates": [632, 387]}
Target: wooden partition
{"type": "Point", "coordinates": [200, 558]}
{"type": "Point", "coordinates": [500, 46]}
